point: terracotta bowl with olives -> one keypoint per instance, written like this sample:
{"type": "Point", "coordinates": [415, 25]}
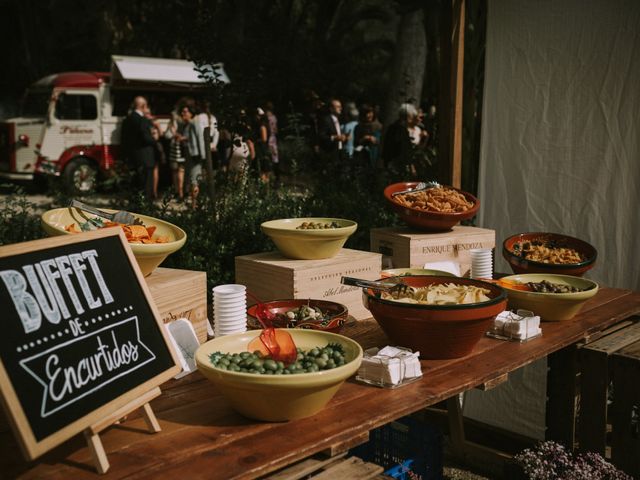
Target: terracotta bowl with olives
{"type": "Point", "coordinates": [303, 313]}
{"type": "Point", "coordinates": [309, 238]}
{"type": "Point", "coordinates": [552, 297]}
{"type": "Point", "coordinates": [544, 252]}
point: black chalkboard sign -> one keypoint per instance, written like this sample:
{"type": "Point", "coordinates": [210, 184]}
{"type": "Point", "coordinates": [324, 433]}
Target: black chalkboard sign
{"type": "Point", "coordinates": [79, 335]}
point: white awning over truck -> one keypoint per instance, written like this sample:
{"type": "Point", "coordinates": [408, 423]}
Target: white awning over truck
{"type": "Point", "coordinates": [127, 70]}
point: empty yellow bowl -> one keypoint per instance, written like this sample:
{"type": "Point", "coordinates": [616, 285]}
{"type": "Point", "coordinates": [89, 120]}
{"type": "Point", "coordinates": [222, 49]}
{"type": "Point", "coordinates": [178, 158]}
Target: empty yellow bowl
{"type": "Point", "coordinates": [148, 256]}
{"type": "Point", "coordinates": [549, 306]}
{"type": "Point", "coordinates": [278, 398]}
{"type": "Point", "coordinates": [308, 244]}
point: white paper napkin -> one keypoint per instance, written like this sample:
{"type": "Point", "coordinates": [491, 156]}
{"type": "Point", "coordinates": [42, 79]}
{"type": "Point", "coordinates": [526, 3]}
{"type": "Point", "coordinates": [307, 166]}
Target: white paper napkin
{"type": "Point", "coordinates": [512, 325]}
{"type": "Point", "coordinates": [389, 366]}
{"type": "Point", "coordinates": [185, 343]}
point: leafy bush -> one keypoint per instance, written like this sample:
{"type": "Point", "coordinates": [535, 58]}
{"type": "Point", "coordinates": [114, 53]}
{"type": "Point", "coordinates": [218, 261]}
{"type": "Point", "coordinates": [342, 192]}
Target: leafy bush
{"type": "Point", "coordinates": [18, 222]}
{"type": "Point", "coordinates": [229, 226]}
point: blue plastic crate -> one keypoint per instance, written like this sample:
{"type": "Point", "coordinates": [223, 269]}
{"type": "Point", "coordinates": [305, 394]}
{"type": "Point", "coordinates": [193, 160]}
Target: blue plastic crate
{"type": "Point", "coordinates": [401, 472]}
{"type": "Point", "coordinates": [408, 444]}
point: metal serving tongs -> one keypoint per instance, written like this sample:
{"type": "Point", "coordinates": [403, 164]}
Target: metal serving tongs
{"type": "Point", "coordinates": [394, 288]}
{"type": "Point", "coordinates": [120, 216]}
{"type": "Point", "coordinates": [418, 188]}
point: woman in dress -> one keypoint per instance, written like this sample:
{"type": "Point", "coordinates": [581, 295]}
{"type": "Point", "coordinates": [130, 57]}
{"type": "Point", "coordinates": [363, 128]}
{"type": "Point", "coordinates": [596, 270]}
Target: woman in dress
{"type": "Point", "coordinates": [367, 137]}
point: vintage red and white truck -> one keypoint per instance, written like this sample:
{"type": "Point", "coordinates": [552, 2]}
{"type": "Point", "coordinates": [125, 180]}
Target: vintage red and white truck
{"type": "Point", "coordinates": [69, 126]}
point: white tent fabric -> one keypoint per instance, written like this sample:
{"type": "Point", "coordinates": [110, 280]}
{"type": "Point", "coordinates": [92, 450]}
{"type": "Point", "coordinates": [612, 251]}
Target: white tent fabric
{"type": "Point", "coordinates": [560, 146]}
{"type": "Point", "coordinates": [162, 70]}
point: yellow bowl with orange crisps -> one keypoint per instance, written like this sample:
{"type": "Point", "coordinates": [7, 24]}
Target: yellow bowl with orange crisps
{"type": "Point", "coordinates": [149, 255]}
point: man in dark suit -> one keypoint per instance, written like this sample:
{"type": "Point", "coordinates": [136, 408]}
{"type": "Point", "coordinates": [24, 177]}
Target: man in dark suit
{"type": "Point", "coordinates": [137, 143]}
{"type": "Point", "coordinates": [330, 136]}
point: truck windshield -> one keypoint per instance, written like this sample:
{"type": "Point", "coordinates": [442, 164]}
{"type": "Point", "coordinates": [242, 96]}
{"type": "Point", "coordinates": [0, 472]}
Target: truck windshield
{"type": "Point", "coordinates": [36, 103]}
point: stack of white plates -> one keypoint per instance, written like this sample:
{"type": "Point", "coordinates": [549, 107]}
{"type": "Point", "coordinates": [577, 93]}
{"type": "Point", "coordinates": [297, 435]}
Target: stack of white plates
{"type": "Point", "coordinates": [229, 309]}
{"type": "Point", "coordinates": [481, 263]}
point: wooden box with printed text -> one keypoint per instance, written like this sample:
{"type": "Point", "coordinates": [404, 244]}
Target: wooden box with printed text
{"type": "Point", "coordinates": [181, 294]}
{"type": "Point", "coordinates": [407, 248]}
{"type": "Point", "coordinates": [270, 276]}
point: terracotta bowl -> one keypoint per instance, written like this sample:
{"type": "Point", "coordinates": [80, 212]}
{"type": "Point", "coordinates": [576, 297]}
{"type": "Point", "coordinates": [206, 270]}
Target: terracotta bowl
{"type": "Point", "coordinates": [522, 265]}
{"type": "Point", "coordinates": [437, 331]}
{"type": "Point", "coordinates": [337, 312]}
{"type": "Point", "coordinates": [551, 307]}
{"type": "Point", "coordinates": [278, 398]}
{"type": "Point", "coordinates": [148, 256]}
{"type": "Point", "coordinates": [308, 244]}
{"type": "Point", "coordinates": [428, 221]}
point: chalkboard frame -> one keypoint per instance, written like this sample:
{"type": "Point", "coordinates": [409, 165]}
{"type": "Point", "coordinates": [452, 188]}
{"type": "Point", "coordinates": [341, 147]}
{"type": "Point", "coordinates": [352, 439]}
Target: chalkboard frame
{"type": "Point", "coordinates": [30, 446]}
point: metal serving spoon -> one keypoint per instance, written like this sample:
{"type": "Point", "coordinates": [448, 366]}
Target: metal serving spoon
{"type": "Point", "coordinates": [418, 188]}
{"type": "Point", "coordinates": [120, 216]}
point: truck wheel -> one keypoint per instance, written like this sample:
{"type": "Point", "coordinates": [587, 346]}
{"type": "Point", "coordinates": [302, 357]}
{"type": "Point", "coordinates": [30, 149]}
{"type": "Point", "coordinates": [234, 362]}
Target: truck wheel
{"type": "Point", "coordinates": [81, 176]}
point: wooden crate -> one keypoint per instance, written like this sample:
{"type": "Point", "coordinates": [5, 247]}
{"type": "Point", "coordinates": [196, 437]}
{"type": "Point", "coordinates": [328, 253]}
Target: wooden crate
{"type": "Point", "coordinates": [406, 248]}
{"type": "Point", "coordinates": [270, 276]}
{"type": "Point", "coordinates": [181, 294]}
{"type": "Point", "coordinates": [595, 368]}
{"type": "Point", "coordinates": [625, 424]}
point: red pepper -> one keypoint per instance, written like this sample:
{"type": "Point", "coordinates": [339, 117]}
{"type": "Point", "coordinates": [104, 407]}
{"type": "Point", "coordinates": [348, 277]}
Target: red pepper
{"type": "Point", "coordinates": [276, 343]}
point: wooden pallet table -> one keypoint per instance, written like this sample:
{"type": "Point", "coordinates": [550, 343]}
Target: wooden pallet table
{"type": "Point", "coordinates": [202, 438]}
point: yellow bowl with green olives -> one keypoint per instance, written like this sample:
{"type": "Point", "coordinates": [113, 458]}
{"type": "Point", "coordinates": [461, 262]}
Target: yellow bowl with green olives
{"type": "Point", "coordinates": [258, 387]}
{"type": "Point", "coordinates": [310, 238]}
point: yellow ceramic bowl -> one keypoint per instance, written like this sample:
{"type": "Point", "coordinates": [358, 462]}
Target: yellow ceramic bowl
{"type": "Point", "coordinates": [278, 398]}
{"type": "Point", "coordinates": [308, 244]}
{"type": "Point", "coordinates": [149, 256]}
{"type": "Point", "coordinates": [550, 306]}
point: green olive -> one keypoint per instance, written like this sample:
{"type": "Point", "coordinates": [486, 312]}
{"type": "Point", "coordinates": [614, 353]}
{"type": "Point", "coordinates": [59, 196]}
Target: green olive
{"type": "Point", "coordinates": [314, 360]}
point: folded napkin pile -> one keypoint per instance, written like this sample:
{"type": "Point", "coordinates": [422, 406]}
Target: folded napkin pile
{"type": "Point", "coordinates": [522, 325]}
{"type": "Point", "coordinates": [390, 366]}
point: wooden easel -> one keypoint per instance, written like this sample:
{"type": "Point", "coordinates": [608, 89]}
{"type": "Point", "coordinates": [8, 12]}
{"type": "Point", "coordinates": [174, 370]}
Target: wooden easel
{"type": "Point", "coordinates": [91, 434]}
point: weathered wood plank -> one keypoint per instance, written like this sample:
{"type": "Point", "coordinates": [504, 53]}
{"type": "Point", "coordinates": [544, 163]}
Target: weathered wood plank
{"type": "Point", "coordinates": [353, 468]}
{"type": "Point", "coordinates": [343, 446]}
{"type": "Point", "coordinates": [304, 468]}
{"type": "Point", "coordinates": [625, 435]}
{"type": "Point", "coordinates": [561, 396]}
{"type": "Point", "coordinates": [494, 382]}
{"type": "Point", "coordinates": [594, 385]}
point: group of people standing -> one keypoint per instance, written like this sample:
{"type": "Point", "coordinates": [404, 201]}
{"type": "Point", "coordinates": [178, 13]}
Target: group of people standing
{"type": "Point", "coordinates": [354, 136]}
{"type": "Point", "coordinates": [357, 136]}
{"type": "Point", "coordinates": [252, 140]}
{"type": "Point", "coordinates": [146, 146]}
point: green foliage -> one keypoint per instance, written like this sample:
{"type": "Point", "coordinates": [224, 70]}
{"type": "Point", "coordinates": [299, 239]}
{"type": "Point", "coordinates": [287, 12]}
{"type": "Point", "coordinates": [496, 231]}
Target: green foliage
{"type": "Point", "coordinates": [347, 190]}
{"type": "Point", "coordinates": [17, 220]}
{"type": "Point", "coordinates": [228, 226]}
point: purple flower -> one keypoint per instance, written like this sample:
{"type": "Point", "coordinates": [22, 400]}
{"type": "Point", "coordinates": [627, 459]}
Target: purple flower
{"type": "Point", "coordinates": [551, 461]}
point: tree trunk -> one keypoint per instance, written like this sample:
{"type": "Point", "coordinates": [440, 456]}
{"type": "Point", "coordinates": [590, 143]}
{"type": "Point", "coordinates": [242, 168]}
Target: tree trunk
{"type": "Point", "coordinates": [408, 65]}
